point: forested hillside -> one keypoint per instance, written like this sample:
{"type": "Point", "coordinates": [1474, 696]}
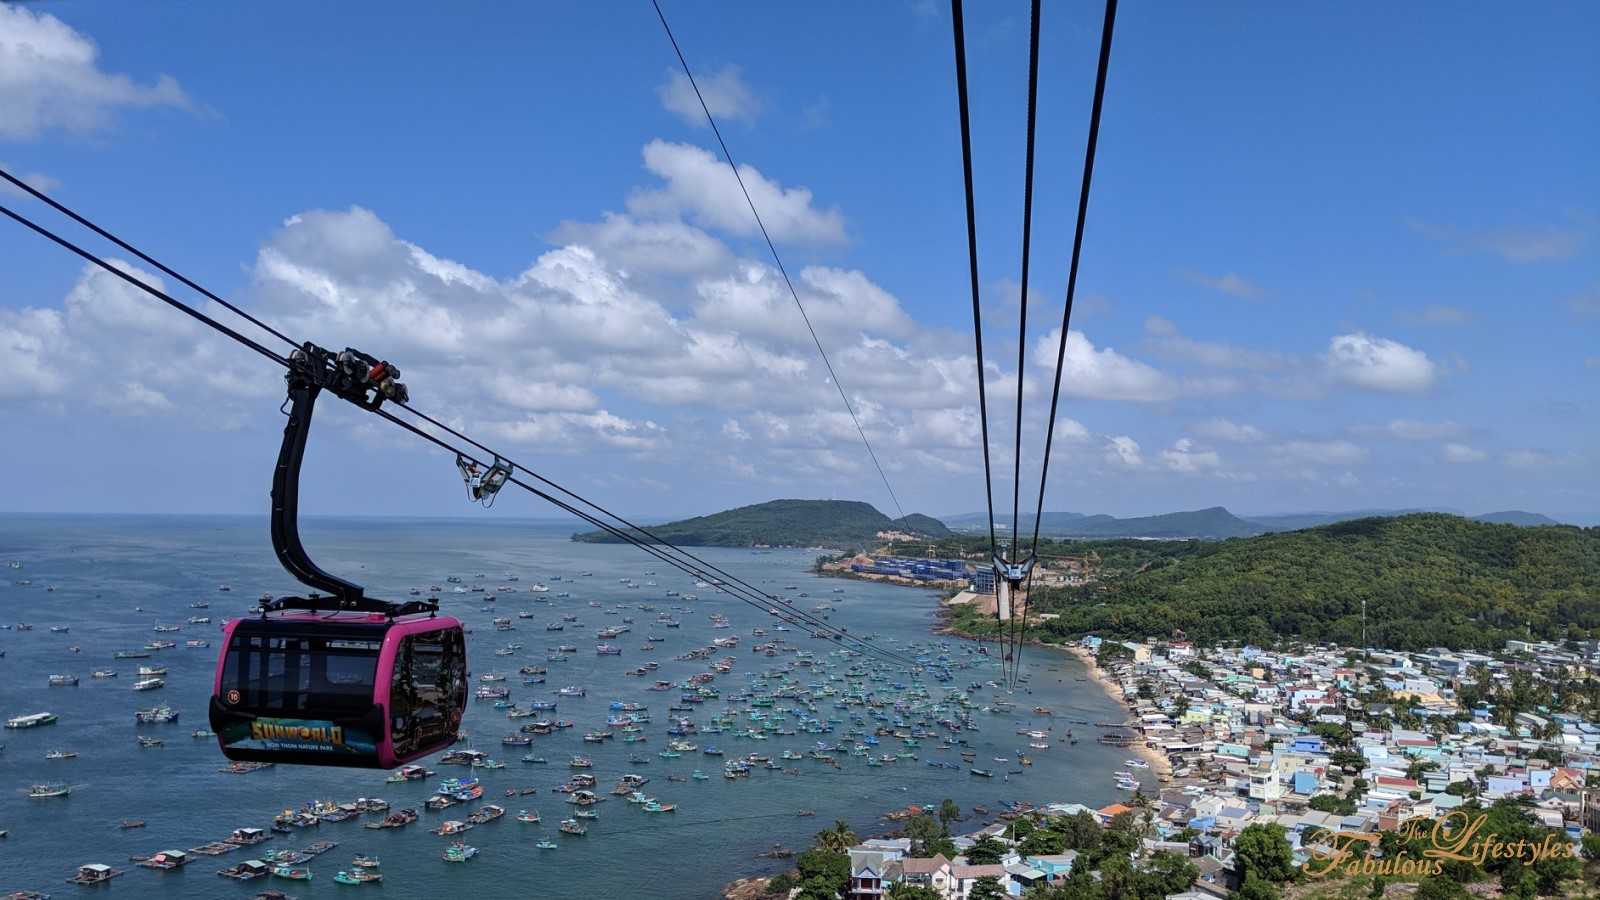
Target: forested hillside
{"type": "Point", "coordinates": [1428, 579]}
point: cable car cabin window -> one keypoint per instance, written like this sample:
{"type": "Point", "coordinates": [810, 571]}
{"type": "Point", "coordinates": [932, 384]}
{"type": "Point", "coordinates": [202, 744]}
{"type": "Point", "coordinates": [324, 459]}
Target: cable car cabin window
{"type": "Point", "coordinates": [427, 690]}
{"type": "Point", "coordinates": [309, 675]}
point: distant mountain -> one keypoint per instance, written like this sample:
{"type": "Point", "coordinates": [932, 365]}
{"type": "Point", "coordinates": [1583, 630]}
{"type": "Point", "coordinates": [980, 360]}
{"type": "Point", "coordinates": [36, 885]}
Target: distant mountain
{"type": "Point", "coordinates": [1516, 517]}
{"type": "Point", "coordinates": [791, 523]}
{"type": "Point", "coordinates": [1213, 523]}
{"type": "Point", "coordinates": [1210, 524]}
{"type": "Point", "coordinates": [1297, 521]}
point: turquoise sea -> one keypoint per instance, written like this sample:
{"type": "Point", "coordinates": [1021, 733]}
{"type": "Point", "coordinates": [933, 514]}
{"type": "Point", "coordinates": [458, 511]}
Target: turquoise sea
{"type": "Point", "coordinates": [115, 577]}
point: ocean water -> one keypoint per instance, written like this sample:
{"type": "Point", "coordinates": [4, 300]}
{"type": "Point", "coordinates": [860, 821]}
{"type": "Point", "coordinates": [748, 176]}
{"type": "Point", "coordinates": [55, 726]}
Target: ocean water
{"type": "Point", "coordinates": [115, 577]}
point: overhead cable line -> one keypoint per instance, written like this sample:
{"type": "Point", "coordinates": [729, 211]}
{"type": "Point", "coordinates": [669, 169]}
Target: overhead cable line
{"type": "Point", "coordinates": [765, 604]}
{"type": "Point", "coordinates": [1106, 31]}
{"type": "Point", "coordinates": [40, 195]}
{"type": "Point", "coordinates": [1022, 327]}
{"type": "Point", "coordinates": [728, 155]}
{"type": "Point", "coordinates": [977, 304]}
{"type": "Point", "coordinates": [742, 591]}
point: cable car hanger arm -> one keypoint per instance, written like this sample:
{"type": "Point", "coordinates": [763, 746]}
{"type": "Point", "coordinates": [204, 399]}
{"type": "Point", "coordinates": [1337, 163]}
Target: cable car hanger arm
{"type": "Point", "coordinates": [366, 382]}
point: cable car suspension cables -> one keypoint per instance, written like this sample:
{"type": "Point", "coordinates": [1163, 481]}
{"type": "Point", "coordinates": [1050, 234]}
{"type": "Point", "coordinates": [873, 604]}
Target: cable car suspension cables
{"type": "Point", "coordinates": [1072, 271]}
{"type": "Point", "coordinates": [1014, 644]}
{"type": "Point", "coordinates": [839, 385]}
{"type": "Point", "coordinates": [977, 306]}
{"type": "Point", "coordinates": [1014, 569]}
{"type": "Point", "coordinates": [651, 543]}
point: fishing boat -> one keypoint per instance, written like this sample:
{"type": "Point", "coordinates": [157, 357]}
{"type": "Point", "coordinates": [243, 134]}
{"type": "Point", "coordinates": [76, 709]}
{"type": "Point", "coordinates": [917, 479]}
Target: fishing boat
{"type": "Point", "coordinates": [149, 684]}
{"type": "Point", "coordinates": [63, 681]}
{"type": "Point", "coordinates": [459, 852]}
{"type": "Point", "coordinates": [408, 773]}
{"type": "Point", "coordinates": [486, 813]}
{"type": "Point", "coordinates": [293, 873]}
{"type": "Point", "coordinates": [149, 743]}
{"type": "Point", "coordinates": [94, 873]}
{"type": "Point", "coordinates": [546, 844]}
{"type": "Point", "coordinates": [364, 862]}
{"type": "Point", "coordinates": [982, 773]}
{"type": "Point", "coordinates": [248, 870]}
{"type": "Point", "coordinates": [103, 673]}
{"type": "Point", "coordinates": [573, 827]}
{"type": "Point", "coordinates": [155, 714]}
{"type": "Point", "coordinates": [48, 790]}
{"type": "Point", "coordinates": [358, 876]}
{"type": "Point", "coordinates": [126, 824]}
{"type": "Point", "coordinates": [528, 817]}
{"type": "Point", "coordinates": [61, 754]}
{"type": "Point", "coordinates": [165, 860]}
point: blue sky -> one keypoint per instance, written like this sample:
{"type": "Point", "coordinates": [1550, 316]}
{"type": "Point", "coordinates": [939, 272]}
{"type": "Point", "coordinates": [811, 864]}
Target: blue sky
{"type": "Point", "coordinates": [1342, 257]}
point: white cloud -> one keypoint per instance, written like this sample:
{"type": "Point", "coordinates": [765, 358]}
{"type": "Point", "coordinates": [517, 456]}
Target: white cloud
{"type": "Point", "coordinates": [1330, 453]}
{"type": "Point", "coordinates": [1184, 456]}
{"type": "Point", "coordinates": [50, 79]}
{"type": "Point", "coordinates": [1461, 453]}
{"type": "Point", "coordinates": [1123, 451]}
{"type": "Point", "coordinates": [1379, 364]}
{"type": "Point", "coordinates": [1071, 431]}
{"type": "Point", "coordinates": [1521, 244]}
{"type": "Point", "coordinates": [1219, 429]}
{"type": "Point", "coordinates": [1529, 459]}
{"type": "Point", "coordinates": [842, 304]}
{"type": "Point", "coordinates": [702, 187]}
{"type": "Point", "coordinates": [1439, 314]}
{"type": "Point", "coordinates": [670, 247]}
{"type": "Point", "coordinates": [106, 325]}
{"type": "Point", "coordinates": [36, 180]}
{"type": "Point", "coordinates": [725, 93]}
{"type": "Point", "coordinates": [1102, 374]}
{"type": "Point", "coordinates": [1227, 283]}
{"type": "Point", "coordinates": [1165, 338]}
{"type": "Point", "coordinates": [1412, 430]}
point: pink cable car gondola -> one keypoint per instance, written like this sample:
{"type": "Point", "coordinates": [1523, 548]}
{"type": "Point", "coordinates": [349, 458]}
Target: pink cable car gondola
{"type": "Point", "coordinates": [342, 679]}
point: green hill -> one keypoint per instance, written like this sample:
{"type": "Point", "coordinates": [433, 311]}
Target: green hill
{"type": "Point", "coordinates": [1428, 579]}
{"type": "Point", "coordinates": [793, 523]}
{"type": "Point", "coordinates": [1214, 522]}
{"type": "Point", "coordinates": [1517, 517]}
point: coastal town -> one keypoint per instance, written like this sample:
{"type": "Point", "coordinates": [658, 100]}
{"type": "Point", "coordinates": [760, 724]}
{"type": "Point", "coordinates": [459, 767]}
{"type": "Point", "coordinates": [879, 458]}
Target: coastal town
{"type": "Point", "coordinates": [1318, 748]}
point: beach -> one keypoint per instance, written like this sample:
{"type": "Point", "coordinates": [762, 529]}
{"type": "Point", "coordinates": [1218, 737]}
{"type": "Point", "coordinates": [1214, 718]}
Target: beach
{"type": "Point", "coordinates": [1158, 761]}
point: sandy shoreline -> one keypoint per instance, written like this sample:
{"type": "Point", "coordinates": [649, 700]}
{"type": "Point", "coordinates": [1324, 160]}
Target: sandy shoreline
{"type": "Point", "coordinates": [1158, 761]}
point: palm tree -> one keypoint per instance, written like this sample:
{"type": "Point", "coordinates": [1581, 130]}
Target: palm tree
{"type": "Point", "coordinates": [949, 812]}
{"type": "Point", "coordinates": [837, 839]}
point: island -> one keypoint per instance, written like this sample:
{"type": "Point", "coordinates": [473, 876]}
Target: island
{"type": "Point", "coordinates": [836, 524]}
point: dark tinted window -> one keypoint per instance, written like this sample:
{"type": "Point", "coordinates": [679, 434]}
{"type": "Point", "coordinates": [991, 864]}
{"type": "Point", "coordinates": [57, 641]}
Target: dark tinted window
{"type": "Point", "coordinates": [306, 675]}
{"type": "Point", "coordinates": [427, 691]}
